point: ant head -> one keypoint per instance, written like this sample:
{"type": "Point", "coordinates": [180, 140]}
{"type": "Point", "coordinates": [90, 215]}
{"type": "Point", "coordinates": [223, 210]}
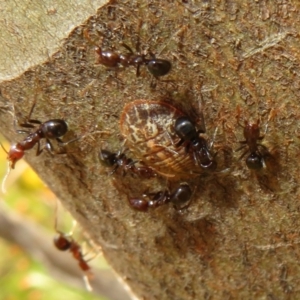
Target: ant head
{"type": "Point", "coordinates": [159, 67]}
{"type": "Point", "coordinates": [107, 158]}
{"type": "Point", "coordinates": [255, 161]}
{"type": "Point", "coordinates": [62, 242]}
{"type": "Point", "coordinates": [181, 195]}
{"type": "Point", "coordinates": [185, 129]}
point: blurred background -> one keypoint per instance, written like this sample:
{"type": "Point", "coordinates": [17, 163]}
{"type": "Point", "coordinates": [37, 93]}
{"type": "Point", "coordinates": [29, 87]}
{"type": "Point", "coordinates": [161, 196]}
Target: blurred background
{"type": "Point", "coordinates": [27, 218]}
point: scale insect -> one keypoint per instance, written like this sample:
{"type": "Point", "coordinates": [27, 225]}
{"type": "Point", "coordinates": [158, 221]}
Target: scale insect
{"type": "Point", "coordinates": [149, 128]}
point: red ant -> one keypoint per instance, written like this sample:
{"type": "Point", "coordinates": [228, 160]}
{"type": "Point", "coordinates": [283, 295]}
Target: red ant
{"type": "Point", "coordinates": [157, 67]}
{"type": "Point", "coordinates": [65, 242]}
{"type": "Point", "coordinates": [179, 197]}
{"type": "Point", "coordinates": [111, 59]}
{"type": "Point", "coordinates": [255, 160]}
{"type": "Point", "coordinates": [49, 130]}
{"type": "Point", "coordinates": [120, 161]}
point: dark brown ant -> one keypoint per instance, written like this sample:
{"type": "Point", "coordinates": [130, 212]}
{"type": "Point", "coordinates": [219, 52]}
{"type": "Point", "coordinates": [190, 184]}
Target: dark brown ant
{"type": "Point", "coordinates": [65, 242]}
{"type": "Point", "coordinates": [191, 138]}
{"type": "Point", "coordinates": [120, 161]}
{"type": "Point", "coordinates": [179, 197]}
{"type": "Point", "coordinates": [255, 160]}
{"type": "Point", "coordinates": [49, 130]}
{"type": "Point", "coordinates": [156, 66]}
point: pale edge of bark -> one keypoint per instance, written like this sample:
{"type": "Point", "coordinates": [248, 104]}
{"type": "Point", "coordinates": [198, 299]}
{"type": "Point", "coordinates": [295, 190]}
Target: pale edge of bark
{"type": "Point", "coordinates": [31, 31]}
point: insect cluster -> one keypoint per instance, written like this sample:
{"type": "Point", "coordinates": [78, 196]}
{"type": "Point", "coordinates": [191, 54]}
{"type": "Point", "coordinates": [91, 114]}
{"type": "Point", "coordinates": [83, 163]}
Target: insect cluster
{"type": "Point", "coordinates": [163, 139]}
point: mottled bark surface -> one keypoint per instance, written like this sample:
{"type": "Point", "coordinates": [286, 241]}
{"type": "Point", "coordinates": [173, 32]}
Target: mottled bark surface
{"type": "Point", "coordinates": [239, 237]}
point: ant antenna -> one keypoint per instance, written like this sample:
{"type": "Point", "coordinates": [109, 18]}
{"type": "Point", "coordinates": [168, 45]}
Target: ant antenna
{"type": "Point", "coordinates": [87, 283]}
{"type": "Point", "coordinates": [214, 138]}
{"type": "Point", "coordinates": [5, 179]}
{"type": "Point", "coordinates": [7, 172]}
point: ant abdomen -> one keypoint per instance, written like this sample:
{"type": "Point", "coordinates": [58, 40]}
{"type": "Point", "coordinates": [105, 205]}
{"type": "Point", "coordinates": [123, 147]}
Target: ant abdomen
{"type": "Point", "coordinates": [181, 195]}
{"type": "Point", "coordinates": [107, 158]}
{"type": "Point", "coordinates": [158, 67]}
{"type": "Point", "coordinates": [54, 128]}
{"type": "Point", "coordinates": [254, 161]}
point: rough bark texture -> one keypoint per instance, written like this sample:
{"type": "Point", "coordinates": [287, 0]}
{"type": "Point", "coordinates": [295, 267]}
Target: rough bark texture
{"type": "Point", "coordinates": [239, 237]}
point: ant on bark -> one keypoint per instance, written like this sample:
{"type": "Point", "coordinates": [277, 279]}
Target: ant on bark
{"type": "Point", "coordinates": [156, 66]}
{"type": "Point", "coordinates": [255, 159]}
{"type": "Point", "coordinates": [65, 242]}
{"type": "Point", "coordinates": [111, 59]}
{"type": "Point", "coordinates": [179, 197]}
{"type": "Point", "coordinates": [120, 161]}
{"type": "Point", "coordinates": [190, 137]}
{"type": "Point", "coordinates": [49, 130]}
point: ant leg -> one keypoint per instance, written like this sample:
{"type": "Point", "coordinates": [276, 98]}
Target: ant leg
{"type": "Point", "coordinates": [34, 121]}
{"type": "Point", "coordinates": [127, 47]}
{"type": "Point", "coordinates": [214, 137]}
{"type": "Point", "coordinates": [61, 143]}
{"type": "Point", "coordinates": [38, 150]}
{"type": "Point", "coordinates": [241, 147]}
{"type": "Point", "coordinates": [32, 108]}
{"type": "Point", "coordinates": [49, 147]}
{"type": "Point", "coordinates": [113, 171]}
{"type": "Point", "coordinates": [153, 83]}
{"type": "Point", "coordinates": [7, 172]}
{"type": "Point", "coordinates": [22, 131]}
{"type": "Point", "coordinates": [244, 153]}
{"type": "Point", "coordinates": [138, 73]}
{"type": "Point", "coordinates": [56, 220]}
{"type": "Point", "coordinates": [26, 125]}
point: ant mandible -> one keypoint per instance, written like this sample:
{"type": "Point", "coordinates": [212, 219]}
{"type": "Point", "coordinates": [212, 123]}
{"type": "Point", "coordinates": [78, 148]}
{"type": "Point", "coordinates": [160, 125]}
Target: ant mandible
{"type": "Point", "coordinates": [49, 130]}
{"type": "Point", "coordinates": [65, 242]}
{"type": "Point", "coordinates": [190, 137]}
{"type": "Point", "coordinates": [255, 160]}
{"type": "Point", "coordinates": [179, 197]}
{"type": "Point", "coordinates": [120, 161]}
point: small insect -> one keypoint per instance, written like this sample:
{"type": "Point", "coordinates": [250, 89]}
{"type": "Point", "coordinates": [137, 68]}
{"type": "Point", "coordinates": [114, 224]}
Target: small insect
{"type": "Point", "coordinates": [49, 130]}
{"type": "Point", "coordinates": [255, 159]}
{"type": "Point", "coordinates": [148, 127]}
{"type": "Point", "coordinates": [179, 197]}
{"type": "Point", "coordinates": [157, 67]}
{"type": "Point", "coordinates": [190, 137]}
{"type": "Point", "coordinates": [65, 242]}
{"type": "Point", "coordinates": [120, 161]}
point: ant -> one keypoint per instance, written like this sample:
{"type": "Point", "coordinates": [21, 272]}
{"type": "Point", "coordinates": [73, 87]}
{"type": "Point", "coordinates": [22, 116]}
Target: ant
{"type": "Point", "coordinates": [119, 160]}
{"type": "Point", "coordinates": [65, 242]}
{"type": "Point", "coordinates": [179, 197]}
{"type": "Point", "coordinates": [49, 130]}
{"type": "Point", "coordinates": [189, 136]}
{"type": "Point", "coordinates": [157, 67]}
{"type": "Point", "coordinates": [255, 160]}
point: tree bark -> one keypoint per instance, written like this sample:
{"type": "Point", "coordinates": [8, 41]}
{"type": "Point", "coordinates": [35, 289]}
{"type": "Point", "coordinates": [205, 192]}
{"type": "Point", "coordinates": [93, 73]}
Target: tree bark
{"type": "Point", "coordinates": [238, 238]}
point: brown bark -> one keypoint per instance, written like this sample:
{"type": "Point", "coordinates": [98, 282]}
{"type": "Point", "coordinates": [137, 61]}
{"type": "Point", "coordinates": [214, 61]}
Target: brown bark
{"type": "Point", "coordinates": [238, 238]}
